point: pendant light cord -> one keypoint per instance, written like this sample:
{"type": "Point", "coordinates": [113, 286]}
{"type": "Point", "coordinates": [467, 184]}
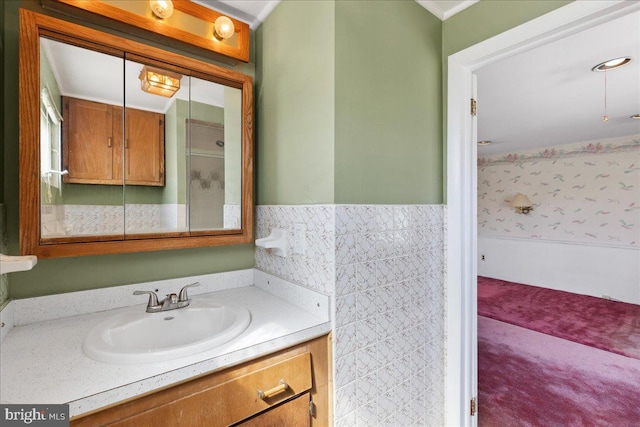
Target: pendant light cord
{"type": "Point", "coordinates": [606, 117]}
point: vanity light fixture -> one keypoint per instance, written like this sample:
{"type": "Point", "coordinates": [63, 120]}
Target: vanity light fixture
{"type": "Point", "coordinates": [159, 82]}
{"type": "Point", "coordinates": [522, 204]}
{"type": "Point", "coordinates": [635, 116]}
{"type": "Point", "coordinates": [161, 8]}
{"type": "Point", "coordinates": [485, 142]}
{"type": "Point", "coordinates": [223, 28]}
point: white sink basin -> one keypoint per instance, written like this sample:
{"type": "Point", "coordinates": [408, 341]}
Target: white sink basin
{"type": "Point", "coordinates": [135, 336]}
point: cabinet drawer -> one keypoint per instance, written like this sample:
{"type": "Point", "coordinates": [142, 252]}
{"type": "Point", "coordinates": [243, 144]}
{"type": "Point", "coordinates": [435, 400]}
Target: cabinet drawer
{"type": "Point", "coordinates": [234, 400]}
{"type": "Point", "coordinates": [292, 413]}
{"type": "Point", "coordinates": [238, 399]}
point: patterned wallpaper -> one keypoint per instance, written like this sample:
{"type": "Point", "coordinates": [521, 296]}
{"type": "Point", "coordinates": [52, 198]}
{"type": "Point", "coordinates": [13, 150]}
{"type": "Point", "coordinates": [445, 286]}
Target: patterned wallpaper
{"type": "Point", "coordinates": [384, 266]}
{"type": "Point", "coordinates": [582, 193]}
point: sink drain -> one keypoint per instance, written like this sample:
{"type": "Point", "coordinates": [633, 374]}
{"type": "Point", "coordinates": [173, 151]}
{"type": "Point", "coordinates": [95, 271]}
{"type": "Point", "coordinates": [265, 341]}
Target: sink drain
{"type": "Point", "coordinates": [169, 318]}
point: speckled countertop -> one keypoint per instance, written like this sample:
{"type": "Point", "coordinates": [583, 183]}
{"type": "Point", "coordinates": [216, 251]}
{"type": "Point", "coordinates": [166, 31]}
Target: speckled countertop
{"type": "Point", "coordinates": [43, 362]}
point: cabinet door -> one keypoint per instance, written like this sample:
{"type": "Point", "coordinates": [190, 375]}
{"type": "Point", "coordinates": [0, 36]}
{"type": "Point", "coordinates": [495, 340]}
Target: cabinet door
{"type": "Point", "coordinates": [144, 148]}
{"type": "Point", "coordinates": [294, 413]}
{"type": "Point", "coordinates": [87, 142]}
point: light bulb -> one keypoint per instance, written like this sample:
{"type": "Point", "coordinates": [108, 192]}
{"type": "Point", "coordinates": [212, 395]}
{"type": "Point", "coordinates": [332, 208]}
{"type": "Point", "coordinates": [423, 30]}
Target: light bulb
{"type": "Point", "coordinates": [161, 8]}
{"type": "Point", "coordinates": [614, 62]}
{"type": "Point", "coordinates": [223, 28]}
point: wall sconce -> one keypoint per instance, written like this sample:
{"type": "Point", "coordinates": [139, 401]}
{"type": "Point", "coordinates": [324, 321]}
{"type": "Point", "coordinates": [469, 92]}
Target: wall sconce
{"type": "Point", "coordinates": [223, 28]}
{"type": "Point", "coordinates": [161, 8]}
{"type": "Point", "coordinates": [522, 204]}
{"type": "Point", "coordinates": [159, 82]}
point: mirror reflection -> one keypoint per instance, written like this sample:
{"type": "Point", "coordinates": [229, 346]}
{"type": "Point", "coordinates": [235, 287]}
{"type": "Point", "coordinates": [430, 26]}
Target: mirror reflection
{"type": "Point", "coordinates": [130, 149]}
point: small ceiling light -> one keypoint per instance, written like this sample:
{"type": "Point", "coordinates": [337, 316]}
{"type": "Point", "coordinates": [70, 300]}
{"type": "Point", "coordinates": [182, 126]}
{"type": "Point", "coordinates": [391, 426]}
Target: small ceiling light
{"type": "Point", "coordinates": [223, 28]}
{"type": "Point", "coordinates": [161, 8]}
{"type": "Point", "coordinates": [635, 116]}
{"type": "Point", "coordinates": [159, 82]}
{"type": "Point", "coordinates": [486, 142]}
{"type": "Point", "coordinates": [522, 204]}
{"type": "Point", "coordinates": [612, 63]}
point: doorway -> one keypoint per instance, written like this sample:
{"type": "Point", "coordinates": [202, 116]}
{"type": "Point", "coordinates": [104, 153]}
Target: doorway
{"type": "Point", "coordinates": [461, 256]}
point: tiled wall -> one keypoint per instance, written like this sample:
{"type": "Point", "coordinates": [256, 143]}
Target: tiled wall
{"type": "Point", "coordinates": [383, 265]}
{"type": "Point", "coordinates": [316, 267]}
{"type": "Point", "coordinates": [110, 219]}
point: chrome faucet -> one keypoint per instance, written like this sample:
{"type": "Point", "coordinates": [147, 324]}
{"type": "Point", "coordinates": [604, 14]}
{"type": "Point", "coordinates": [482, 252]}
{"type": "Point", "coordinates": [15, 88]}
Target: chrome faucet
{"type": "Point", "coordinates": [171, 302]}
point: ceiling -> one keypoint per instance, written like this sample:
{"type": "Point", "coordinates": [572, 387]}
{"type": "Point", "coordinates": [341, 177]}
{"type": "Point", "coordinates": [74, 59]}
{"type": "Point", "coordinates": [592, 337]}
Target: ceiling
{"type": "Point", "coordinates": [254, 12]}
{"type": "Point", "coordinates": [549, 95]}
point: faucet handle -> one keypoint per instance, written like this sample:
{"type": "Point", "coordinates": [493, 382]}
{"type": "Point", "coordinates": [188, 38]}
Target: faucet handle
{"type": "Point", "coordinates": [183, 292]}
{"type": "Point", "coordinates": [153, 298]}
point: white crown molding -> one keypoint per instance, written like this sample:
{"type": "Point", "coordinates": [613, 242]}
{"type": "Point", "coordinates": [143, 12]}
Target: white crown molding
{"type": "Point", "coordinates": [443, 10]}
{"type": "Point", "coordinates": [266, 10]}
{"type": "Point", "coordinates": [242, 11]}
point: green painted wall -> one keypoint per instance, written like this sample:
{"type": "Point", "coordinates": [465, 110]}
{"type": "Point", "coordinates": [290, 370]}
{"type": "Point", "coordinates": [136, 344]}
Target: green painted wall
{"type": "Point", "coordinates": [51, 276]}
{"type": "Point", "coordinates": [480, 22]}
{"type": "Point", "coordinates": [295, 104]}
{"type": "Point", "coordinates": [346, 113]}
{"type": "Point", "coordinates": [2, 100]}
{"type": "Point", "coordinates": [489, 18]}
{"type": "Point", "coordinates": [388, 139]}
{"type": "Point", "coordinates": [4, 279]}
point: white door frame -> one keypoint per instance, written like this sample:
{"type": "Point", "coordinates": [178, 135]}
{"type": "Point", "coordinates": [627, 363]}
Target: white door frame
{"type": "Point", "coordinates": [461, 253]}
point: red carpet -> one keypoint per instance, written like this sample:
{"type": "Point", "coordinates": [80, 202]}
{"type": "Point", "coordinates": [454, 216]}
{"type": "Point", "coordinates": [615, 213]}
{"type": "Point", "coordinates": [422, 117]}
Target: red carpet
{"type": "Point", "coordinates": [608, 325]}
{"type": "Point", "coordinates": [527, 378]}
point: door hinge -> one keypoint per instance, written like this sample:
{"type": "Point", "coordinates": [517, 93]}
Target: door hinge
{"type": "Point", "coordinates": [474, 107]}
{"type": "Point", "coordinates": [474, 407]}
{"type": "Point", "coordinates": [312, 409]}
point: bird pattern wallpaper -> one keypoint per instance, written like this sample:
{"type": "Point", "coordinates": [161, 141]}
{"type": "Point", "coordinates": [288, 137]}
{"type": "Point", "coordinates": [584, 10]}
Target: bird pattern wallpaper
{"type": "Point", "coordinates": [582, 193]}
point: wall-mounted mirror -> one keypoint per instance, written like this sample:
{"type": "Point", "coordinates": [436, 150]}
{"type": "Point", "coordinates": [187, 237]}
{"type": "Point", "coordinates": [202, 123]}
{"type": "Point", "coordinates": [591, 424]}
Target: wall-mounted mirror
{"type": "Point", "coordinates": [133, 148]}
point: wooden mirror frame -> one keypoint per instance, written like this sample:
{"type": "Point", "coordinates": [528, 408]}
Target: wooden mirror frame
{"type": "Point", "coordinates": [34, 25]}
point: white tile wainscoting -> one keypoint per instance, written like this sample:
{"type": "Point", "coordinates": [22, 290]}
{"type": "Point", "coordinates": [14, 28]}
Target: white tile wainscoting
{"type": "Point", "coordinates": [383, 266]}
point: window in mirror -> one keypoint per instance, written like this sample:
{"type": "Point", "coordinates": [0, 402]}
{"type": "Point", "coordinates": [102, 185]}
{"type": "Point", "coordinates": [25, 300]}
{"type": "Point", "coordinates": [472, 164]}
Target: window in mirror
{"type": "Point", "coordinates": [50, 129]}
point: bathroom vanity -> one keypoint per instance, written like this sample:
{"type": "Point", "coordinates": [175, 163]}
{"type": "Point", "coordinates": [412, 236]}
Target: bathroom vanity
{"type": "Point", "coordinates": [289, 387]}
{"type": "Point", "coordinates": [288, 339]}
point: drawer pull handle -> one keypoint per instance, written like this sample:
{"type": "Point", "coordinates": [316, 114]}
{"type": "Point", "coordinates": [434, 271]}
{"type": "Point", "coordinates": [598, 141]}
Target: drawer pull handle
{"type": "Point", "coordinates": [277, 389]}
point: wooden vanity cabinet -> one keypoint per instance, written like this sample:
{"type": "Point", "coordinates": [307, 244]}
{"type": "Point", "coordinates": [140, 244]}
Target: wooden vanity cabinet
{"type": "Point", "coordinates": [93, 144]}
{"type": "Point", "coordinates": [231, 397]}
